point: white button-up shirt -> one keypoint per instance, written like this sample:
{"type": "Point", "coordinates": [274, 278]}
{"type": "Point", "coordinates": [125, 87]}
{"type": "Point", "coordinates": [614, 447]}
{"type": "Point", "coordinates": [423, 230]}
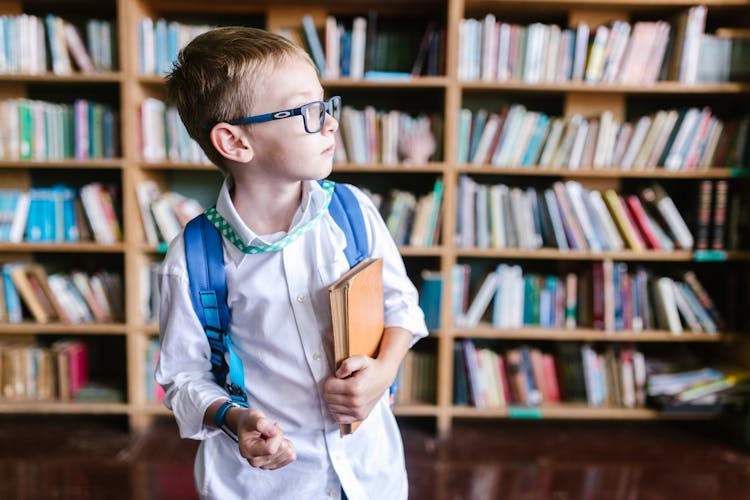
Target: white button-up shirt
{"type": "Point", "coordinates": [281, 328]}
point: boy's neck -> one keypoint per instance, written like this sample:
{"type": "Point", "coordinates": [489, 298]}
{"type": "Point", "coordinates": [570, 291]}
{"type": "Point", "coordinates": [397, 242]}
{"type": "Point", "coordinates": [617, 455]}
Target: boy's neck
{"type": "Point", "coordinates": [265, 207]}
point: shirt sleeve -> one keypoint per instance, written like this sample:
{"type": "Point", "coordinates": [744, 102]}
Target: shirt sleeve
{"type": "Point", "coordinates": [184, 367]}
{"type": "Point", "coordinates": [400, 296]}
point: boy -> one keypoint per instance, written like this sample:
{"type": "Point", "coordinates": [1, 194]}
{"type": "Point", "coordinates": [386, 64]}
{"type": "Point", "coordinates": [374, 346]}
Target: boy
{"type": "Point", "coordinates": [282, 253]}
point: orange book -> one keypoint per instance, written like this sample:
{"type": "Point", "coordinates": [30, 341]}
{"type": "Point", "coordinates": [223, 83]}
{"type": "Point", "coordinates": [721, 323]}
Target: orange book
{"type": "Point", "coordinates": [357, 315]}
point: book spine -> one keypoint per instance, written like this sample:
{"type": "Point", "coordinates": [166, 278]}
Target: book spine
{"type": "Point", "coordinates": [704, 214]}
{"type": "Point", "coordinates": [720, 215]}
{"type": "Point", "coordinates": [700, 292]}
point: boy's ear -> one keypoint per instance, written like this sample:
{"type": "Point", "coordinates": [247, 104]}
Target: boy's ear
{"type": "Point", "coordinates": [231, 142]}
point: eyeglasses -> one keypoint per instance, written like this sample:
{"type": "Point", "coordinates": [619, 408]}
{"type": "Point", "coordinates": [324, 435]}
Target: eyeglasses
{"type": "Point", "coordinates": [313, 115]}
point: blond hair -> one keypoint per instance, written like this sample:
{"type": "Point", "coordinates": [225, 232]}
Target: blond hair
{"type": "Point", "coordinates": [219, 75]}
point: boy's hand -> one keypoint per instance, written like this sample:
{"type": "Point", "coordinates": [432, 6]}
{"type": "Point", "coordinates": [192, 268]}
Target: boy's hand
{"type": "Point", "coordinates": [262, 442]}
{"type": "Point", "coordinates": [356, 387]}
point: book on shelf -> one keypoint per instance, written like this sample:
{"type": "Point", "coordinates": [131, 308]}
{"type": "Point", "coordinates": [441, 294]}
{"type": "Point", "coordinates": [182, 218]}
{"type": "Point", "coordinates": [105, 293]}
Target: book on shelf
{"type": "Point", "coordinates": [72, 367]}
{"type": "Point", "coordinates": [33, 288]}
{"type": "Point", "coordinates": [693, 388]}
{"type": "Point", "coordinates": [313, 44]}
{"type": "Point", "coordinates": [480, 302]}
{"type": "Point", "coordinates": [358, 47]}
{"type": "Point", "coordinates": [416, 378]}
{"type": "Point", "coordinates": [427, 48]}
{"type": "Point", "coordinates": [460, 377]}
{"type": "Point", "coordinates": [77, 48]}
{"type": "Point", "coordinates": [477, 385]}
{"type": "Point", "coordinates": [720, 215]}
{"type": "Point", "coordinates": [332, 47]}
{"type": "Point", "coordinates": [98, 202]}
{"type": "Point", "coordinates": [656, 197]}
{"type": "Point", "coordinates": [704, 214]}
{"type": "Point", "coordinates": [430, 294]}
{"type": "Point", "coordinates": [357, 315]}
{"type": "Point", "coordinates": [739, 62]}
{"type": "Point", "coordinates": [689, 27]}
{"type": "Point", "coordinates": [29, 371]}
{"type": "Point", "coordinates": [70, 299]}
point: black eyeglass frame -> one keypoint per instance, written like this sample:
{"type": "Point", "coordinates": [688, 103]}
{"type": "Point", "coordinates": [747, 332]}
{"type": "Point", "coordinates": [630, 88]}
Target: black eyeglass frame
{"type": "Point", "coordinates": [330, 107]}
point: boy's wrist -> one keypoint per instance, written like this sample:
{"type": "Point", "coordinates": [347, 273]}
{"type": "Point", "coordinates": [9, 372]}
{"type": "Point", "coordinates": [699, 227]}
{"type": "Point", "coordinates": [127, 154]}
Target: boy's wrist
{"type": "Point", "coordinates": [233, 418]}
{"type": "Point", "coordinates": [226, 418]}
{"type": "Point", "coordinates": [393, 348]}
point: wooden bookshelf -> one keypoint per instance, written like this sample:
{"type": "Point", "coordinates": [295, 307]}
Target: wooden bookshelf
{"type": "Point", "coordinates": [713, 173]}
{"type": "Point", "coordinates": [585, 334]}
{"type": "Point", "coordinates": [446, 95]}
{"type": "Point", "coordinates": [655, 88]}
{"type": "Point", "coordinates": [573, 411]}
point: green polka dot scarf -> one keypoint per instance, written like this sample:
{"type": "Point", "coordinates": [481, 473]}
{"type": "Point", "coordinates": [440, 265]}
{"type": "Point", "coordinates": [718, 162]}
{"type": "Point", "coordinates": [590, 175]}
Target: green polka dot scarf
{"type": "Point", "coordinates": [224, 228]}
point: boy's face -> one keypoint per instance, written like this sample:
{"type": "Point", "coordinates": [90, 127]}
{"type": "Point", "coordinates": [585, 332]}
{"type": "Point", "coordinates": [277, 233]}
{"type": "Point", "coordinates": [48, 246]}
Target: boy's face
{"type": "Point", "coordinates": [282, 148]}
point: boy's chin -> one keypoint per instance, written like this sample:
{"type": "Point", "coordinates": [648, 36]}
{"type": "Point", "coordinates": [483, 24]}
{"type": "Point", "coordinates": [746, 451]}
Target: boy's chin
{"type": "Point", "coordinates": [325, 172]}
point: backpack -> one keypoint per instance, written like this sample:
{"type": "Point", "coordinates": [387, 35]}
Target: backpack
{"type": "Point", "coordinates": [208, 287]}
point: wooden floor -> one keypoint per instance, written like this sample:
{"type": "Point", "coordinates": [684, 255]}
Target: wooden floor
{"type": "Point", "coordinates": [65, 457]}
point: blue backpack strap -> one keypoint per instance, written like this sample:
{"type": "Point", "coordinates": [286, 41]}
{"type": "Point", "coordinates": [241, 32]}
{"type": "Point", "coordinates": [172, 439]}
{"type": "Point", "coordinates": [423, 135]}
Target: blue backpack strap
{"type": "Point", "coordinates": [208, 291]}
{"type": "Point", "coordinates": [347, 213]}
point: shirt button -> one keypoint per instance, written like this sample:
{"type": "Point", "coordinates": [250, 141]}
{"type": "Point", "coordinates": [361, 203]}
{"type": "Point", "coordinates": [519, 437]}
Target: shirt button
{"type": "Point", "coordinates": [316, 356]}
{"type": "Point", "coordinates": [300, 298]}
{"type": "Point", "coordinates": [332, 493]}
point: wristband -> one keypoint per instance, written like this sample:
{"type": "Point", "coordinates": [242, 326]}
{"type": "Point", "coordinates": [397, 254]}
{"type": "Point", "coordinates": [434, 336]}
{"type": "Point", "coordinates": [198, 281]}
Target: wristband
{"type": "Point", "coordinates": [220, 419]}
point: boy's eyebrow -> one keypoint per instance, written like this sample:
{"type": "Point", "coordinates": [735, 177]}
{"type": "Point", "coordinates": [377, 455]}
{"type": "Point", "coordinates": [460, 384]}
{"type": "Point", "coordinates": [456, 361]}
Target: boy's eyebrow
{"type": "Point", "coordinates": [305, 96]}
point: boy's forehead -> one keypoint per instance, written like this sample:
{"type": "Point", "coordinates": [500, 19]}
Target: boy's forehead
{"type": "Point", "coordinates": [291, 81]}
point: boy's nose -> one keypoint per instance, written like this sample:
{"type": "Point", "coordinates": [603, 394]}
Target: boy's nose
{"type": "Point", "coordinates": [331, 124]}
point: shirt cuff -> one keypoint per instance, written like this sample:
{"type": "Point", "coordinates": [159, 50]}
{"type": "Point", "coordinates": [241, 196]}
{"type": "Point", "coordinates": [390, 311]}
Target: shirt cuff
{"type": "Point", "coordinates": [410, 320]}
{"type": "Point", "coordinates": [189, 405]}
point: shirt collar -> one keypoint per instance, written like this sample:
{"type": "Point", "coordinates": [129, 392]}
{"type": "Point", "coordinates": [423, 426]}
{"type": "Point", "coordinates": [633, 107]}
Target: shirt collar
{"type": "Point", "coordinates": [313, 201]}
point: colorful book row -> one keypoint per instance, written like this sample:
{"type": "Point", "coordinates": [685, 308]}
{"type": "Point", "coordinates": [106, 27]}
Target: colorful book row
{"type": "Point", "coordinates": [617, 377]}
{"type": "Point", "coordinates": [372, 48]}
{"type": "Point", "coordinates": [369, 136]}
{"type": "Point", "coordinates": [38, 130]}
{"type": "Point", "coordinates": [31, 372]}
{"type": "Point", "coordinates": [70, 298]}
{"type": "Point", "coordinates": [567, 216]}
{"type": "Point", "coordinates": [613, 53]}
{"type": "Point", "coordinates": [60, 214]}
{"type": "Point", "coordinates": [412, 220]}
{"type": "Point", "coordinates": [608, 296]}
{"type": "Point", "coordinates": [25, 39]}
{"type": "Point", "coordinates": [686, 139]}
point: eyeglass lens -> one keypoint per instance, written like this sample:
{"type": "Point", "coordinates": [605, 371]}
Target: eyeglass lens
{"type": "Point", "coordinates": [315, 114]}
